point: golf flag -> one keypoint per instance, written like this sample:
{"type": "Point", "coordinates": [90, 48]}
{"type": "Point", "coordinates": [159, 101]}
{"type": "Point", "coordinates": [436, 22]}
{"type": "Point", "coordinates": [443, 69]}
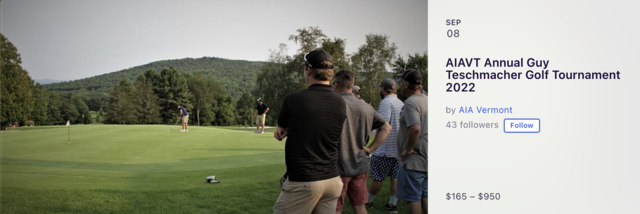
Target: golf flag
{"type": "Point", "coordinates": [69, 131]}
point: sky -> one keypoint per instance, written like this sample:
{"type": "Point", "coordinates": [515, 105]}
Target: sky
{"type": "Point", "coordinates": [75, 39]}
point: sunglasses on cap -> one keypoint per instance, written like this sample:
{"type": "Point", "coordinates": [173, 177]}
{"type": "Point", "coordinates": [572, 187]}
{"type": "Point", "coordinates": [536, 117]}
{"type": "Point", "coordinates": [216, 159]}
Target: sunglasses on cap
{"type": "Point", "coordinates": [307, 62]}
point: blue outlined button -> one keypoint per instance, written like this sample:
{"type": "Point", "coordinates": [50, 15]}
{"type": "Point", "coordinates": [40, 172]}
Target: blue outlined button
{"type": "Point", "coordinates": [521, 125]}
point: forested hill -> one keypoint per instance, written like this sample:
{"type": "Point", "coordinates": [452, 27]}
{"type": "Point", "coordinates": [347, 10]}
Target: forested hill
{"type": "Point", "coordinates": [237, 76]}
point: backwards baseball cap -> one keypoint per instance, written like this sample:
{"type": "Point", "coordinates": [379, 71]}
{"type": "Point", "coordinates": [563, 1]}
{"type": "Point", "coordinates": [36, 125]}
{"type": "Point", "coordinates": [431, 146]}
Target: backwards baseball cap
{"type": "Point", "coordinates": [413, 77]}
{"type": "Point", "coordinates": [316, 59]}
{"type": "Point", "coordinates": [356, 89]}
{"type": "Point", "coordinates": [259, 99]}
{"type": "Point", "coordinates": [388, 83]}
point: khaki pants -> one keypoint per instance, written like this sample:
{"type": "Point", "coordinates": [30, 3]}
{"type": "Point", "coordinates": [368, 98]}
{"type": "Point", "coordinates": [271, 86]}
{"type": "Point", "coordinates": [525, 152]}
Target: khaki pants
{"type": "Point", "coordinates": [260, 119]}
{"type": "Point", "coordinates": [309, 197]}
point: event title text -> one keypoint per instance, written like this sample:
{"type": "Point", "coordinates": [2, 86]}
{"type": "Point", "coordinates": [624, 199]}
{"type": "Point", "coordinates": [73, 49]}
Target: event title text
{"type": "Point", "coordinates": [542, 73]}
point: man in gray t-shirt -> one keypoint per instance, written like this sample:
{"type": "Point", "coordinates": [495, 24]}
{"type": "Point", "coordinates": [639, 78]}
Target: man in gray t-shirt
{"type": "Point", "coordinates": [352, 153]}
{"type": "Point", "coordinates": [412, 144]}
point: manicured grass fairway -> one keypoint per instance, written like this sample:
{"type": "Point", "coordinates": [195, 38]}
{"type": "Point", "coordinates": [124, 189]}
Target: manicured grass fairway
{"type": "Point", "coordinates": [142, 169]}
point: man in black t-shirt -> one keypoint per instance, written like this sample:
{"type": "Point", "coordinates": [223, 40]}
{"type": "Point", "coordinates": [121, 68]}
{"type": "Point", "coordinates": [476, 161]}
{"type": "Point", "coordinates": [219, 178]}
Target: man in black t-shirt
{"type": "Point", "coordinates": [312, 122]}
{"type": "Point", "coordinates": [261, 113]}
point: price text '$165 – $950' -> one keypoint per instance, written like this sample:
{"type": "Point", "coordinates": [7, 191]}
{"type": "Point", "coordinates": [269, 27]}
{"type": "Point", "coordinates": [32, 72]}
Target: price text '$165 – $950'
{"type": "Point", "coordinates": [481, 196]}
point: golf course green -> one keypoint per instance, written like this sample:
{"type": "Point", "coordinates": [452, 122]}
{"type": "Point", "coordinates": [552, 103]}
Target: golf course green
{"type": "Point", "coordinates": [142, 169]}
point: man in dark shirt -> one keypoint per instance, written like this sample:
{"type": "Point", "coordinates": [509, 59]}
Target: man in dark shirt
{"type": "Point", "coordinates": [184, 116]}
{"type": "Point", "coordinates": [312, 121]}
{"type": "Point", "coordinates": [261, 113]}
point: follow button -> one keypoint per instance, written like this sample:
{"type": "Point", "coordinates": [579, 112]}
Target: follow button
{"type": "Point", "coordinates": [521, 125]}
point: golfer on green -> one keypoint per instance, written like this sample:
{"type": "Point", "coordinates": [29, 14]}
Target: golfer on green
{"type": "Point", "coordinates": [184, 115]}
{"type": "Point", "coordinates": [261, 114]}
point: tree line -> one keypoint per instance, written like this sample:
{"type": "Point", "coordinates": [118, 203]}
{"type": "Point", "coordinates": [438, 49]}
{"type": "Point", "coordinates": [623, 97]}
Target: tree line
{"type": "Point", "coordinates": [152, 96]}
{"type": "Point", "coordinates": [24, 102]}
{"type": "Point", "coordinates": [153, 99]}
{"type": "Point", "coordinates": [237, 76]}
{"type": "Point", "coordinates": [373, 61]}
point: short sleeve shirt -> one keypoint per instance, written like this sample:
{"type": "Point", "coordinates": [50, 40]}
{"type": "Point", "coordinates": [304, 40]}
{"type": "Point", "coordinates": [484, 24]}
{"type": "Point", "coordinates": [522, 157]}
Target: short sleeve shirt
{"type": "Point", "coordinates": [413, 113]}
{"type": "Point", "coordinates": [261, 108]}
{"type": "Point", "coordinates": [184, 111]}
{"type": "Point", "coordinates": [390, 108]}
{"type": "Point", "coordinates": [314, 118]}
{"type": "Point", "coordinates": [361, 119]}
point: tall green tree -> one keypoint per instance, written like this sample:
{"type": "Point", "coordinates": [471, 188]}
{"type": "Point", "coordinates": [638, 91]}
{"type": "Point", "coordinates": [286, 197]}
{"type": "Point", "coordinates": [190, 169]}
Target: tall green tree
{"type": "Point", "coordinates": [16, 100]}
{"type": "Point", "coordinates": [308, 38]}
{"type": "Point", "coordinates": [172, 90]}
{"type": "Point", "coordinates": [278, 78]}
{"type": "Point", "coordinates": [204, 90]}
{"type": "Point", "coordinates": [68, 110]}
{"type": "Point", "coordinates": [371, 63]}
{"type": "Point", "coordinates": [282, 74]}
{"type": "Point", "coordinates": [335, 47]}
{"type": "Point", "coordinates": [39, 115]}
{"type": "Point", "coordinates": [225, 109]}
{"type": "Point", "coordinates": [54, 110]}
{"type": "Point", "coordinates": [415, 61]}
{"type": "Point", "coordinates": [147, 101]}
{"type": "Point", "coordinates": [246, 108]}
{"type": "Point", "coordinates": [122, 108]}
{"type": "Point", "coordinates": [82, 108]}
{"type": "Point", "coordinates": [100, 115]}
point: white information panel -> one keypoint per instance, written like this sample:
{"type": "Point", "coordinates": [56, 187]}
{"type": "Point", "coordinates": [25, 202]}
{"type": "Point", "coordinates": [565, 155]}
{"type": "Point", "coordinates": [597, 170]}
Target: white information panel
{"type": "Point", "coordinates": [533, 106]}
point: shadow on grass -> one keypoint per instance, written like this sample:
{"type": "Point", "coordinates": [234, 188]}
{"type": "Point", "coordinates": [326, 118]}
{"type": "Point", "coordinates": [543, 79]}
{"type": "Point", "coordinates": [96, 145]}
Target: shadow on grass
{"type": "Point", "coordinates": [242, 190]}
{"type": "Point", "coordinates": [249, 150]}
{"type": "Point", "coordinates": [219, 162]}
{"type": "Point", "coordinates": [251, 189]}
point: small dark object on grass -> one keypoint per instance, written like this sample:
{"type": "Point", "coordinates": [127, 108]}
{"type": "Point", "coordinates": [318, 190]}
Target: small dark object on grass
{"type": "Point", "coordinates": [212, 179]}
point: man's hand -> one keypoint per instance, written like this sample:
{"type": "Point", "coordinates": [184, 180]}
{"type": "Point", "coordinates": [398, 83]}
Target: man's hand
{"type": "Point", "coordinates": [381, 136]}
{"type": "Point", "coordinates": [280, 133]}
{"type": "Point", "coordinates": [414, 134]}
{"type": "Point", "coordinates": [406, 153]}
{"type": "Point", "coordinates": [368, 150]}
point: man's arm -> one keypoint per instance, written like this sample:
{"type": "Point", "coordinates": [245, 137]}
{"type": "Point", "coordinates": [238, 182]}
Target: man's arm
{"type": "Point", "coordinates": [414, 134]}
{"type": "Point", "coordinates": [381, 136]}
{"type": "Point", "coordinates": [283, 121]}
{"type": "Point", "coordinates": [265, 112]}
{"type": "Point", "coordinates": [414, 124]}
{"type": "Point", "coordinates": [280, 133]}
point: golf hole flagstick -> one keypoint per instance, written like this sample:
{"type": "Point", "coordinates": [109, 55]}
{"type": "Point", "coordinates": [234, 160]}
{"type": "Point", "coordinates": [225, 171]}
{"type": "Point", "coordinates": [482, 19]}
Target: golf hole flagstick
{"type": "Point", "coordinates": [69, 131]}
